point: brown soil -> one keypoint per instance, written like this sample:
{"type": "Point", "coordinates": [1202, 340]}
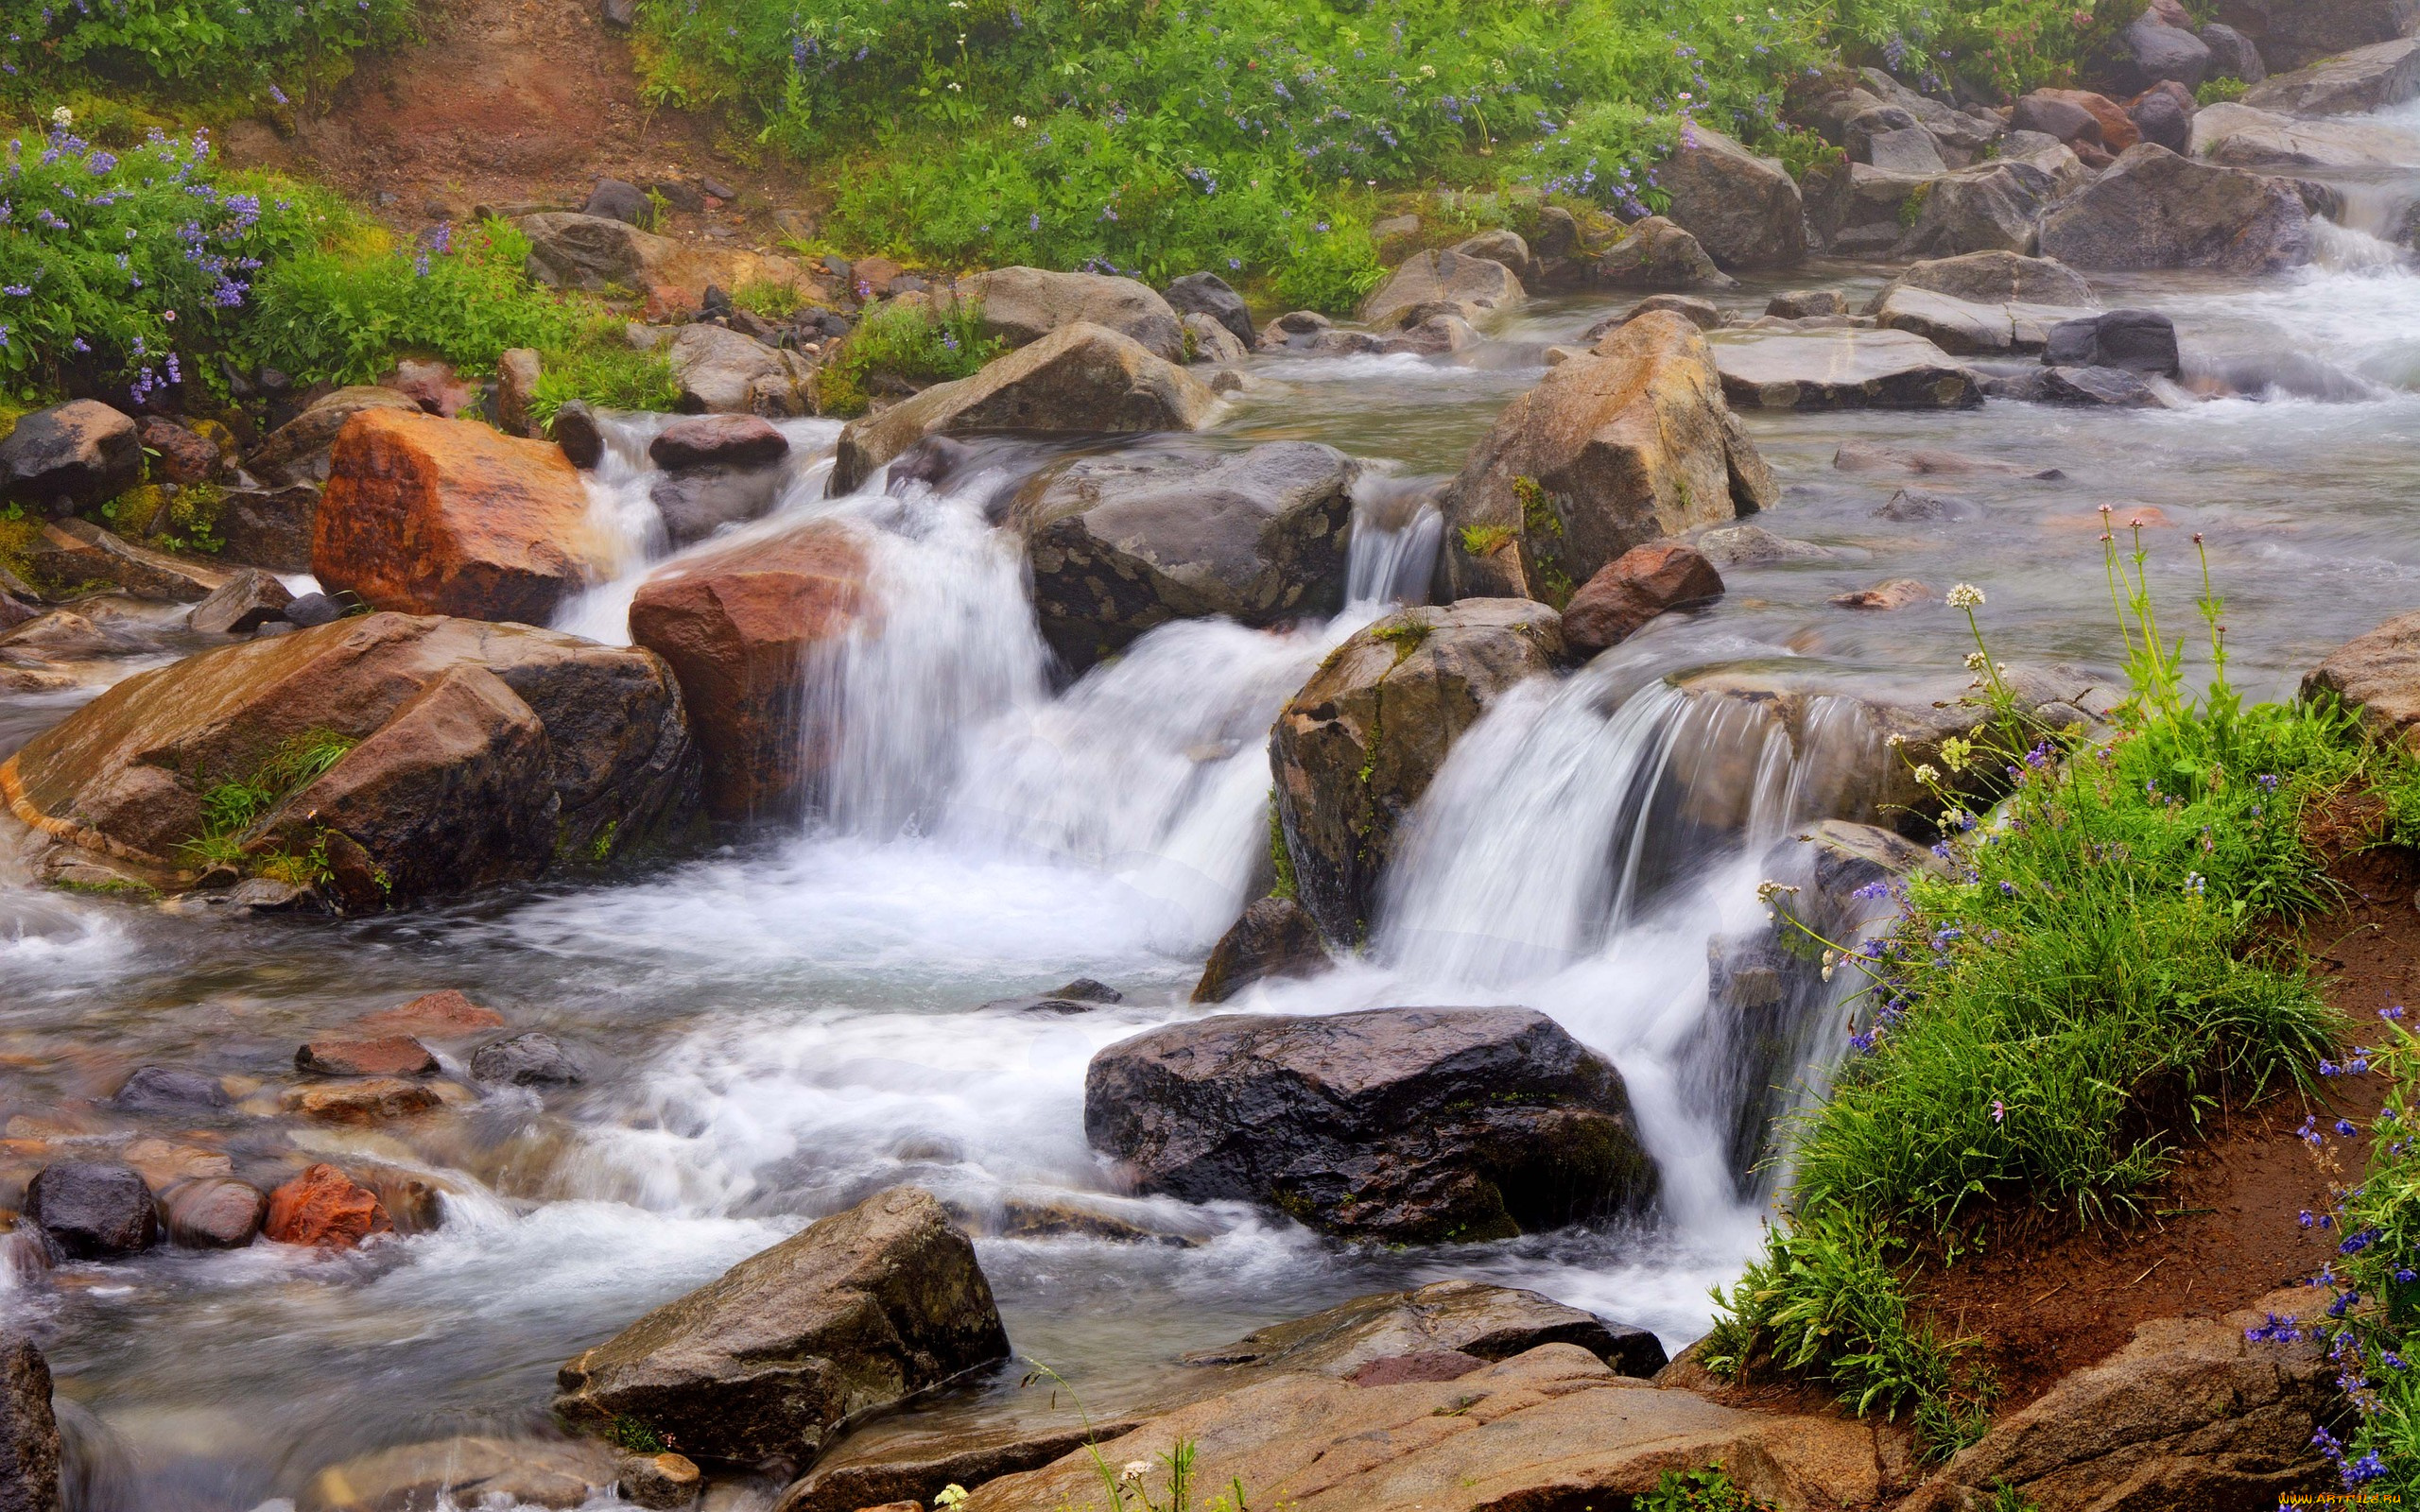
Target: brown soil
{"type": "Point", "coordinates": [506, 102]}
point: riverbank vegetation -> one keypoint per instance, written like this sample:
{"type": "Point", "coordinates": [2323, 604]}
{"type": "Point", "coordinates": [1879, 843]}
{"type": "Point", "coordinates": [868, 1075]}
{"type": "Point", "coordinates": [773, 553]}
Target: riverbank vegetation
{"type": "Point", "coordinates": [2091, 973]}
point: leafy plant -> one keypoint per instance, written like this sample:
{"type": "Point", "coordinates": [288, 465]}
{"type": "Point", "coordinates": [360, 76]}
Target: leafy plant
{"type": "Point", "coordinates": [230, 809]}
{"type": "Point", "coordinates": [1705, 1490]}
{"type": "Point", "coordinates": [604, 370]}
{"type": "Point", "coordinates": [2219, 91]}
{"type": "Point", "coordinates": [187, 49]}
{"type": "Point", "coordinates": [629, 1434]}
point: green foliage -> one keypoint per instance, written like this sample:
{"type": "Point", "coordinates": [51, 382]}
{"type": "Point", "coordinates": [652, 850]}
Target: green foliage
{"type": "Point", "coordinates": [2219, 91]}
{"type": "Point", "coordinates": [915, 343]}
{"type": "Point", "coordinates": [1404, 633]}
{"type": "Point", "coordinates": [774, 302]}
{"type": "Point", "coordinates": [230, 809]}
{"type": "Point", "coordinates": [344, 316]}
{"type": "Point", "coordinates": [1486, 540]}
{"type": "Point", "coordinates": [1706, 1490]}
{"type": "Point", "coordinates": [1281, 860]}
{"type": "Point", "coordinates": [633, 1437]}
{"type": "Point", "coordinates": [1803, 151]}
{"type": "Point", "coordinates": [188, 49]}
{"type": "Point", "coordinates": [601, 369]}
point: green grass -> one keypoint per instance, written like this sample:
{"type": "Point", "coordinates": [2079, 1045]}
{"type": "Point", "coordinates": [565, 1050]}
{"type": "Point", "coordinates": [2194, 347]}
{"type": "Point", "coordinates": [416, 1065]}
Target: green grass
{"type": "Point", "coordinates": [230, 809]}
{"type": "Point", "coordinates": [1706, 1490]}
{"type": "Point", "coordinates": [601, 369]}
{"type": "Point", "coordinates": [915, 343]}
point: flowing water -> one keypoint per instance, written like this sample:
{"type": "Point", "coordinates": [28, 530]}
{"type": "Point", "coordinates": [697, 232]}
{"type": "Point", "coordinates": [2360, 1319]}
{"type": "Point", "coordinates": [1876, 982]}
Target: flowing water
{"type": "Point", "coordinates": [779, 1028]}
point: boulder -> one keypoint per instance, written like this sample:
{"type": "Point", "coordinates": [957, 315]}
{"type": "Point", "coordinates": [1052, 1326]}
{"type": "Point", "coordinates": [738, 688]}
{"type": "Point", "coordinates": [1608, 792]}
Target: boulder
{"type": "Point", "coordinates": [212, 1213]}
{"type": "Point", "coordinates": [243, 604]}
{"type": "Point", "coordinates": [575, 430]}
{"type": "Point", "coordinates": [1843, 369]}
{"type": "Point", "coordinates": [94, 1210]}
{"type": "Point", "coordinates": [180, 455]}
{"type": "Point", "coordinates": [297, 451]}
{"type": "Point", "coordinates": [1628, 592]}
{"type": "Point", "coordinates": [725, 372]}
{"type": "Point", "coordinates": [1967, 330]}
{"type": "Point", "coordinates": [1987, 209]}
{"type": "Point", "coordinates": [1854, 209]}
{"type": "Point", "coordinates": [1124, 543]}
{"type": "Point", "coordinates": [1624, 445]}
{"type": "Point", "coordinates": [1504, 246]}
{"type": "Point", "coordinates": [2165, 115]}
{"type": "Point", "coordinates": [2156, 209]}
{"type": "Point", "coordinates": [1080, 378]}
{"type": "Point", "coordinates": [853, 1313]}
{"type": "Point", "coordinates": [1208, 295]}
{"type": "Point", "coordinates": [394, 1055]}
{"type": "Point", "coordinates": [1274, 937]}
{"type": "Point", "coordinates": [616, 200]}
{"type": "Point", "coordinates": [325, 1209]}
{"type": "Point", "coordinates": [2190, 1413]}
{"type": "Point", "coordinates": [516, 389]}
{"type": "Point", "coordinates": [2239, 136]}
{"type": "Point", "coordinates": [595, 253]}
{"type": "Point", "coordinates": [2148, 50]}
{"type": "Point", "coordinates": [1021, 305]}
{"type": "Point", "coordinates": [443, 1015]}
{"type": "Point", "coordinates": [471, 1470]}
{"type": "Point", "coordinates": [169, 1090]}
{"type": "Point", "coordinates": [269, 528]}
{"type": "Point", "coordinates": [1744, 209]}
{"type": "Point", "coordinates": [1799, 304]}
{"type": "Point", "coordinates": [1394, 1125]}
{"type": "Point", "coordinates": [29, 1450]}
{"type": "Point", "coordinates": [2113, 129]}
{"type": "Point", "coordinates": [2378, 675]}
{"type": "Point", "coordinates": [481, 753]}
{"type": "Point", "coordinates": [74, 551]}
{"type": "Point", "coordinates": [1992, 278]}
{"type": "Point", "coordinates": [1213, 342]}
{"type": "Point", "coordinates": [1471, 1318]}
{"type": "Point", "coordinates": [1889, 138]}
{"type": "Point", "coordinates": [1704, 314]}
{"type": "Point", "coordinates": [696, 504]}
{"type": "Point", "coordinates": [736, 625]}
{"type": "Point", "coordinates": [434, 516]}
{"type": "Point", "coordinates": [1358, 745]}
{"type": "Point", "coordinates": [1477, 288]}
{"type": "Point", "coordinates": [2233, 55]}
{"type": "Point", "coordinates": [1962, 136]}
{"type": "Point", "coordinates": [1551, 1428]}
{"type": "Point", "coordinates": [367, 1100]}
{"type": "Point", "coordinates": [719, 440]}
{"type": "Point", "coordinates": [2365, 79]}
{"type": "Point", "coordinates": [2292, 33]}
{"type": "Point", "coordinates": [1653, 254]}
{"type": "Point", "coordinates": [896, 1465]}
{"type": "Point", "coordinates": [2140, 341]}
{"type": "Point", "coordinates": [667, 1480]}
{"type": "Point", "coordinates": [530, 1060]}
{"type": "Point", "coordinates": [70, 456]}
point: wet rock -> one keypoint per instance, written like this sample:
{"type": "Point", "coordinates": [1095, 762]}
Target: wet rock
{"type": "Point", "coordinates": [1890, 139]}
{"type": "Point", "coordinates": [2103, 388]}
{"type": "Point", "coordinates": [1401, 1125]}
{"type": "Point", "coordinates": [29, 1451]}
{"type": "Point", "coordinates": [516, 388]}
{"type": "Point", "coordinates": [1274, 937]}
{"type": "Point", "coordinates": [434, 516]}
{"type": "Point", "coordinates": [1424, 1366]}
{"type": "Point", "coordinates": [1653, 254]}
{"type": "Point", "coordinates": [1478, 288]}
{"type": "Point", "coordinates": [443, 1015]}
{"type": "Point", "coordinates": [1704, 314]}
{"type": "Point", "coordinates": [1208, 295]}
{"type": "Point", "coordinates": [575, 430]}
{"type": "Point", "coordinates": [2365, 79]}
{"type": "Point", "coordinates": [1363, 740]}
{"type": "Point", "coordinates": [243, 604]}
{"type": "Point", "coordinates": [2237, 136]}
{"type": "Point", "coordinates": [297, 451]}
{"type": "Point", "coordinates": [70, 456]}
{"type": "Point", "coordinates": [1899, 592]}
{"type": "Point", "coordinates": [736, 625]}
{"type": "Point", "coordinates": [1912, 505]}
{"type": "Point", "coordinates": [213, 1213]}
{"type": "Point", "coordinates": [1988, 209]}
{"type": "Point", "coordinates": [592, 252]}
{"type": "Point", "coordinates": [397, 1054]}
{"type": "Point", "coordinates": [2233, 55]}
{"type": "Point", "coordinates": [891, 1465]}
{"type": "Point", "coordinates": [1021, 305]}
{"type": "Point", "coordinates": [371, 1100]}
{"type": "Point", "coordinates": [433, 386]}
{"type": "Point", "coordinates": [180, 455]}
{"type": "Point", "coordinates": [1628, 444]}
{"type": "Point", "coordinates": [1800, 303]}
{"type": "Point", "coordinates": [719, 440]}
{"type": "Point", "coordinates": [1865, 457]}
{"type": "Point", "coordinates": [94, 1210]}
{"type": "Point", "coordinates": [616, 200]}
{"type": "Point", "coordinates": [465, 1472]}
{"type": "Point", "coordinates": [1471, 1318]}
{"type": "Point", "coordinates": [312, 610]}
{"type": "Point", "coordinates": [662, 1481]}
{"type": "Point", "coordinates": [1969, 330]}
{"type": "Point", "coordinates": [1501, 246]}
{"type": "Point", "coordinates": [269, 528]}
{"type": "Point", "coordinates": [696, 504]}
{"type": "Point", "coordinates": [1843, 369]}
{"type": "Point", "coordinates": [325, 1209]}
{"type": "Point", "coordinates": [526, 1060]}
{"type": "Point", "coordinates": [1213, 342]}
{"type": "Point", "coordinates": [725, 372]}
{"type": "Point", "coordinates": [2162, 117]}
{"type": "Point", "coordinates": [1081, 377]}
{"type": "Point", "coordinates": [1124, 543]}
{"type": "Point", "coordinates": [1992, 278]}
{"type": "Point", "coordinates": [1744, 210]}
{"type": "Point", "coordinates": [1962, 136]}
{"type": "Point", "coordinates": [1855, 208]}
{"type": "Point", "coordinates": [2148, 50]}
{"type": "Point", "coordinates": [1550, 1425]}
{"type": "Point", "coordinates": [2137, 340]}
{"type": "Point", "coordinates": [2188, 1414]}
{"type": "Point", "coordinates": [169, 1090]}
{"type": "Point", "coordinates": [2153, 209]}
{"type": "Point", "coordinates": [2376, 674]}
{"type": "Point", "coordinates": [1293, 330]}
{"type": "Point", "coordinates": [1625, 593]}
{"type": "Point", "coordinates": [853, 1313]}
{"type": "Point", "coordinates": [76, 551]}
{"type": "Point", "coordinates": [2115, 129]}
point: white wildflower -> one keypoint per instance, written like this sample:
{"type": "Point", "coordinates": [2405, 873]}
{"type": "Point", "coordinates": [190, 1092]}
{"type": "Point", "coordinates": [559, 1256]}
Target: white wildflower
{"type": "Point", "coordinates": [1976, 660]}
{"type": "Point", "coordinates": [1965, 595]}
{"type": "Point", "coordinates": [1926, 774]}
{"type": "Point", "coordinates": [1135, 1470]}
{"type": "Point", "coordinates": [1895, 740]}
{"type": "Point", "coordinates": [1017, 121]}
{"type": "Point", "coordinates": [62, 117]}
{"type": "Point", "coordinates": [1769, 889]}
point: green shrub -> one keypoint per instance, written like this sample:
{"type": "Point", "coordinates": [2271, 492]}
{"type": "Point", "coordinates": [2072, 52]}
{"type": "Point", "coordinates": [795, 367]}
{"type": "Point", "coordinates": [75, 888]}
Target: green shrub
{"type": "Point", "coordinates": [2219, 91]}
{"type": "Point", "coordinates": [1706, 1490]}
{"type": "Point", "coordinates": [188, 49]}
{"type": "Point", "coordinates": [916, 343]}
{"type": "Point", "coordinates": [603, 370]}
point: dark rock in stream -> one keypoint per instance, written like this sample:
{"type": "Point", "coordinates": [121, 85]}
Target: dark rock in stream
{"type": "Point", "coordinates": [2142, 341]}
{"type": "Point", "coordinates": [1082, 995]}
{"type": "Point", "coordinates": [1274, 937]}
{"type": "Point", "coordinates": [697, 502]}
{"type": "Point", "coordinates": [1397, 1126]}
{"type": "Point", "coordinates": [169, 1090]}
{"type": "Point", "coordinates": [2103, 388]}
{"type": "Point", "coordinates": [213, 1213]}
{"type": "Point", "coordinates": [530, 1060]}
{"type": "Point", "coordinates": [719, 440]}
{"type": "Point", "coordinates": [94, 1210]}
{"type": "Point", "coordinates": [29, 1455]}
{"type": "Point", "coordinates": [853, 1313]}
{"type": "Point", "coordinates": [1466, 1318]}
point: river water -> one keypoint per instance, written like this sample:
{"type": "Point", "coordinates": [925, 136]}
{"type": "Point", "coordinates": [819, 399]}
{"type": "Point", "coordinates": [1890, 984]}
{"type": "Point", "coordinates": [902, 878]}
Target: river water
{"type": "Point", "coordinates": [779, 1028]}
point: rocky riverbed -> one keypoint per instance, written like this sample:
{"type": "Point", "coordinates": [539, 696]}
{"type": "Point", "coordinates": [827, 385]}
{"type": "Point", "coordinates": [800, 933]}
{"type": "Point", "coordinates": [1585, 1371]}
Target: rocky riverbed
{"type": "Point", "coordinates": [615, 955]}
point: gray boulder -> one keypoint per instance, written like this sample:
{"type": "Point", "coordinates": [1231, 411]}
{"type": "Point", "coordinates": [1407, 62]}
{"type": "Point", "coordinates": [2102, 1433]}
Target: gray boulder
{"type": "Point", "coordinates": [94, 1210]}
{"type": "Point", "coordinates": [29, 1458]}
{"type": "Point", "coordinates": [1469, 1318]}
{"type": "Point", "coordinates": [2148, 50]}
{"type": "Point", "coordinates": [2365, 79]}
{"type": "Point", "coordinates": [1021, 305]}
{"type": "Point", "coordinates": [852, 1314]}
{"type": "Point", "coordinates": [1961, 137]}
{"type": "Point", "coordinates": [2164, 118]}
{"type": "Point", "coordinates": [532, 1060]}
{"type": "Point", "coordinates": [1841, 370]}
{"type": "Point", "coordinates": [1992, 278]}
{"type": "Point", "coordinates": [2232, 54]}
{"type": "Point", "coordinates": [696, 503]}
{"type": "Point", "coordinates": [2156, 209]}
{"type": "Point", "coordinates": [1987, 209]}
{"type": "Point", "coordinates": [719, 440]}
{"type": "Point", "coordinates": [1124, 543]}
{"type": "Point", "coordinates": [169, 1090]}
{"type": "Point", "coordinates": [1502, 246]}
{"type": "Point", "coordinates": [584, 251]}
{"type": "Point", "coordinates": [1213, 342]}
{"type": "Point", "coordinates": [2239, 136]}
{"type": "Point", "coordinates": [1966, 329]}
{"type": "Point", "coordinates": [1652, 253]}
{"type": "Point", "coordinates": [616, 200]}
{"type": "Point", "coordinates": [1744, 210]}
{"type": "Point", "coordinates": [725, 372]}
{"type": "Point", "coordinates": [1477, 288]}
{"type": "Point", "coordinates": [243, 604]}
{"type": "Point", "coordinates": [1207, 294]}
{"type": "Point", "coordinates": [2098, 387]}
{"type": "Point", "coordinates": [1399, 1126]}
{"type": "Point", "coordinates": [2137, 340]}
{"type": "Point", "coordinates": [70, 456]}
{"type": "Point", "coordinates": [2295, 33]}
{"type": "Point", "coordinates": [1855, 208]}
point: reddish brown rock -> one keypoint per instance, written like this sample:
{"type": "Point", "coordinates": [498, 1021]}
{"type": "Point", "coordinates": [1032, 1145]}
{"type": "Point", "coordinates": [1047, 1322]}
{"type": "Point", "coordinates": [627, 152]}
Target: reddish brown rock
{"type": "Point", "coordinates": [179, 456]}
{"type": "Point", "coordinates": [737, 626]}
{"type": "Point", "coordinates": [447, 517]}
{"type": "Point", "coordinates": [2118, 129]}
{"type": "Point", "coordinates": [213, 1213]}
{"type": "Point", "coordinates": [326, 1209]}
{"type": "Point", "coordinates": [370, 1100]}
{"type": "Point", "coordinates": [397, 1054]}
{"type": "Point", "coordinates": [433, 386]}
{"type": "Point", "coordinates": [719, 440]}
{"type": "Point", "coordinates": [446, 1015]}
{"type": "Point", "coordinates": [1627, 592]}
{"type": "Point", "coordinates": [1899, 592]}
{"type": "Point", "coordinates": [1427, 1364]}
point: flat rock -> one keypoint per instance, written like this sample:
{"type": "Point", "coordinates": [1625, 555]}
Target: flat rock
{"type": "Point", "coordinates": [371, 1100]}
{"type": "Point", "coordinates": [2353, 83]}
{"type": "Point", "coordinates": [2235, 135]}
{"type": "Point", "coordinates": [1969, 330]}
{"type": "Point", "coordinates": [1992, 278]}
{"type": "Point", "coordinates": [243, 604]}
{"type": "Point", "coordinates": [471, 1471]}
{"type": "Point", "coordinates": [891, 1464]}
{"type": "Point", "coordinates": [1841, 370]}
{"type": "Point", "coordinates": [1021, 305]}
{"type": "Point", "coordinates": [2103, 387]}
{"type": "Point", "coordinates": [169, 1090]}
{"type": "Point", "coordinates": [1899, 592]}
{"type": "Point", "coordinates": [446, 1014]}
{"type": "Point", "coordinates": [2156, 209]}
{"type": "Point", "coordinates": [396, 1055]}
{"type": "Point", "coordinates": [1471, 1318]}
{"type": "Point", "coordinates": [719, 440]}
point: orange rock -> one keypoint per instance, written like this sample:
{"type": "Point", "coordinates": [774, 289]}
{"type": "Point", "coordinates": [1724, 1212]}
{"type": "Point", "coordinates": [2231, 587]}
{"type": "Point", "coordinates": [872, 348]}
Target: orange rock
{"type": "Point", "coordinates": [324, 1208]}
{"type": "Point", "coordinates": [2118, 129]}
{"type": "Point", "coordinates": [448, 517]}
{"type": "Point", "coordinates": [444, 1015]}
{"type": "Point", "coordinates": [737, 626]}
{"type": "Point", "coordinates": [394, 1055]}
{"type": "Point", "coordinates": [371, 1100]}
